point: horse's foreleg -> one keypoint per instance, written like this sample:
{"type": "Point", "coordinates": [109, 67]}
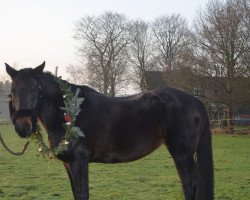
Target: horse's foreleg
{"type": "Point", "coordinates": [78, 174]}
{"type": "Point", "coordinates": [66, 165]}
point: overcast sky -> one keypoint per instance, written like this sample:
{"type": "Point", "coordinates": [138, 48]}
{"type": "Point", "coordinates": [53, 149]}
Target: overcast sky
{"type": "Point", "coordinates": [33, 31]}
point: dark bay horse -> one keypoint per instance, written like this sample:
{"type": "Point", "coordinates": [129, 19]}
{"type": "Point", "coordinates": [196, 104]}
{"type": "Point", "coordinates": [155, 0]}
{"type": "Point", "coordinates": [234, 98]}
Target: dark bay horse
{"type": "Point", "coordinates": [118, 129]}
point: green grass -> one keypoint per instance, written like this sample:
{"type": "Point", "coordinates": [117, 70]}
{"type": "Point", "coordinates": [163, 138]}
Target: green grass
{"type": "Point", "coordinates": [153, 178]}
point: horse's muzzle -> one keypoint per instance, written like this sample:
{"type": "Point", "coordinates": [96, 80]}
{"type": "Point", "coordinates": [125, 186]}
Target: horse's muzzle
{"type": "Point", "coordinates": [24, 121]}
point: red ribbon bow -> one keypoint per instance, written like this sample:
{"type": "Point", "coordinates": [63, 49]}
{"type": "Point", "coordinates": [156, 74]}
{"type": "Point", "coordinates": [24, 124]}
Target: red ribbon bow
{"type": "Point", "coordinates": [67, 118]}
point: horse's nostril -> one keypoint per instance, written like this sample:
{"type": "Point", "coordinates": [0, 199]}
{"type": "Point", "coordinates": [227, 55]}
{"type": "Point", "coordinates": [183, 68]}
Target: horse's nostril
{"type": "Point", "coordinates": [27, 128]}
{"type": "Point", "coordinates": [23, 129]}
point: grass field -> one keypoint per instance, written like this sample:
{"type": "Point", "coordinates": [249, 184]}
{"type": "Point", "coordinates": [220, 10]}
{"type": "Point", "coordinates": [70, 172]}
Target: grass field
{"type": "Point", "coordinates": [153, 178]}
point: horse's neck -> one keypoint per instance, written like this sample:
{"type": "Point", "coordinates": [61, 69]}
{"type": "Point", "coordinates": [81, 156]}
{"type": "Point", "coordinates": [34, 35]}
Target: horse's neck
{"type": "Point", "coordinates": [52, 118]}
{"type": "Point", "coordinates": [84, 90]}
{"type": "Point", "coordinates": [51, 115]}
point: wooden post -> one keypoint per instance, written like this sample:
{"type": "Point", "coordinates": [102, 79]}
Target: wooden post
{"type": "Point", "coordinates": [56, 71]}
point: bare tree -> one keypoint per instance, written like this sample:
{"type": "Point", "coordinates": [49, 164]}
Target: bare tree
{"type": "Point", "coordinates": [5, 87]}
{"type": "Point", "coordinates": [171, 37]}
{"type": "Point", "coordinates": [223, 38]}
{"type": "Point", "coordinates": [140, 52]}
{"type": "Point", "coordinates": [102, 44]}
{"type": "Point", "coordinates": [76, 74]}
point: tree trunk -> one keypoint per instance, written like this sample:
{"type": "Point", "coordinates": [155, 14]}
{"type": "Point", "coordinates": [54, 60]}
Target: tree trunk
{"type": "Point", "coordinates": [230, 102]}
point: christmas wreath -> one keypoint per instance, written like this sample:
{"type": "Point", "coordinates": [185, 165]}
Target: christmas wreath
{"type": "Point", "coordinates": [71, 109]}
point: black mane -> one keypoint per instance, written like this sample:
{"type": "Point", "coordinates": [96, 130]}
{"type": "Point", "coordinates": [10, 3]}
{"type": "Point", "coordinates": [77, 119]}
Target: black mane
{"type": "Point", "coordinates": [49, 77]}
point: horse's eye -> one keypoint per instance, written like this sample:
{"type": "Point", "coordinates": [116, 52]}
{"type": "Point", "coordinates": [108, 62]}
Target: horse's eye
{"type": "Point", "coordinates": [13, 91]}
{"type": "Point", "coordinates": [35, 93]}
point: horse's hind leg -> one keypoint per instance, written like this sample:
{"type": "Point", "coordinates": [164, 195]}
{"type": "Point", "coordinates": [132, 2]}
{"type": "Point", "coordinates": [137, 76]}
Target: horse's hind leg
{"type": "Point", "coordinates": [186, 168]}
{"type": "Point", "coordinates": [185, 165]}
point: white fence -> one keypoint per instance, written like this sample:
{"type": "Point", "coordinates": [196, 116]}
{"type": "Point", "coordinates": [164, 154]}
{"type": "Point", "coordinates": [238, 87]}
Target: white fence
{"type": "Point", "coordinates": [222, 123]}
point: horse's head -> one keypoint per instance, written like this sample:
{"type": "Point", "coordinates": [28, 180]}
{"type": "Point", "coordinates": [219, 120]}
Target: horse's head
{"type": "Point", "coordinates": [25, 98]}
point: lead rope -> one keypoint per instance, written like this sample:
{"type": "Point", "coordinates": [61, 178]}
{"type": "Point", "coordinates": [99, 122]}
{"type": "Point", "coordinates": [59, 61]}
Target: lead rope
{"type": "Point", "coordinates": [12, 152]}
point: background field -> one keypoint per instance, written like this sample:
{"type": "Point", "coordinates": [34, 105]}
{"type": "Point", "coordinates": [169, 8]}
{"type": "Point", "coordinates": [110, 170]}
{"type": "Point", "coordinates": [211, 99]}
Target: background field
{"type": "Point", "coordinates": [153, 178]}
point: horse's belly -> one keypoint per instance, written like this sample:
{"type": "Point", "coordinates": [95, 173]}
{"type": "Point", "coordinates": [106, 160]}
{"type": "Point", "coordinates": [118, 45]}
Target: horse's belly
{"type": "Point", "coordinates": [126, 151]}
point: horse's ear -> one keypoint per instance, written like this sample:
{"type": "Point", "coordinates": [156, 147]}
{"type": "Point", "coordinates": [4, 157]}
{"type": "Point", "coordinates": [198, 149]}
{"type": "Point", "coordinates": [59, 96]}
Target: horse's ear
{"type": "Point", "coordinates": [11, 71]}
{"type": "Point", "coordinates": [39, 69]}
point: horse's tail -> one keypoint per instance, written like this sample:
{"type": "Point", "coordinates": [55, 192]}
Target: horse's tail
{"type": "Point", "coordinates": [205, 172]}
